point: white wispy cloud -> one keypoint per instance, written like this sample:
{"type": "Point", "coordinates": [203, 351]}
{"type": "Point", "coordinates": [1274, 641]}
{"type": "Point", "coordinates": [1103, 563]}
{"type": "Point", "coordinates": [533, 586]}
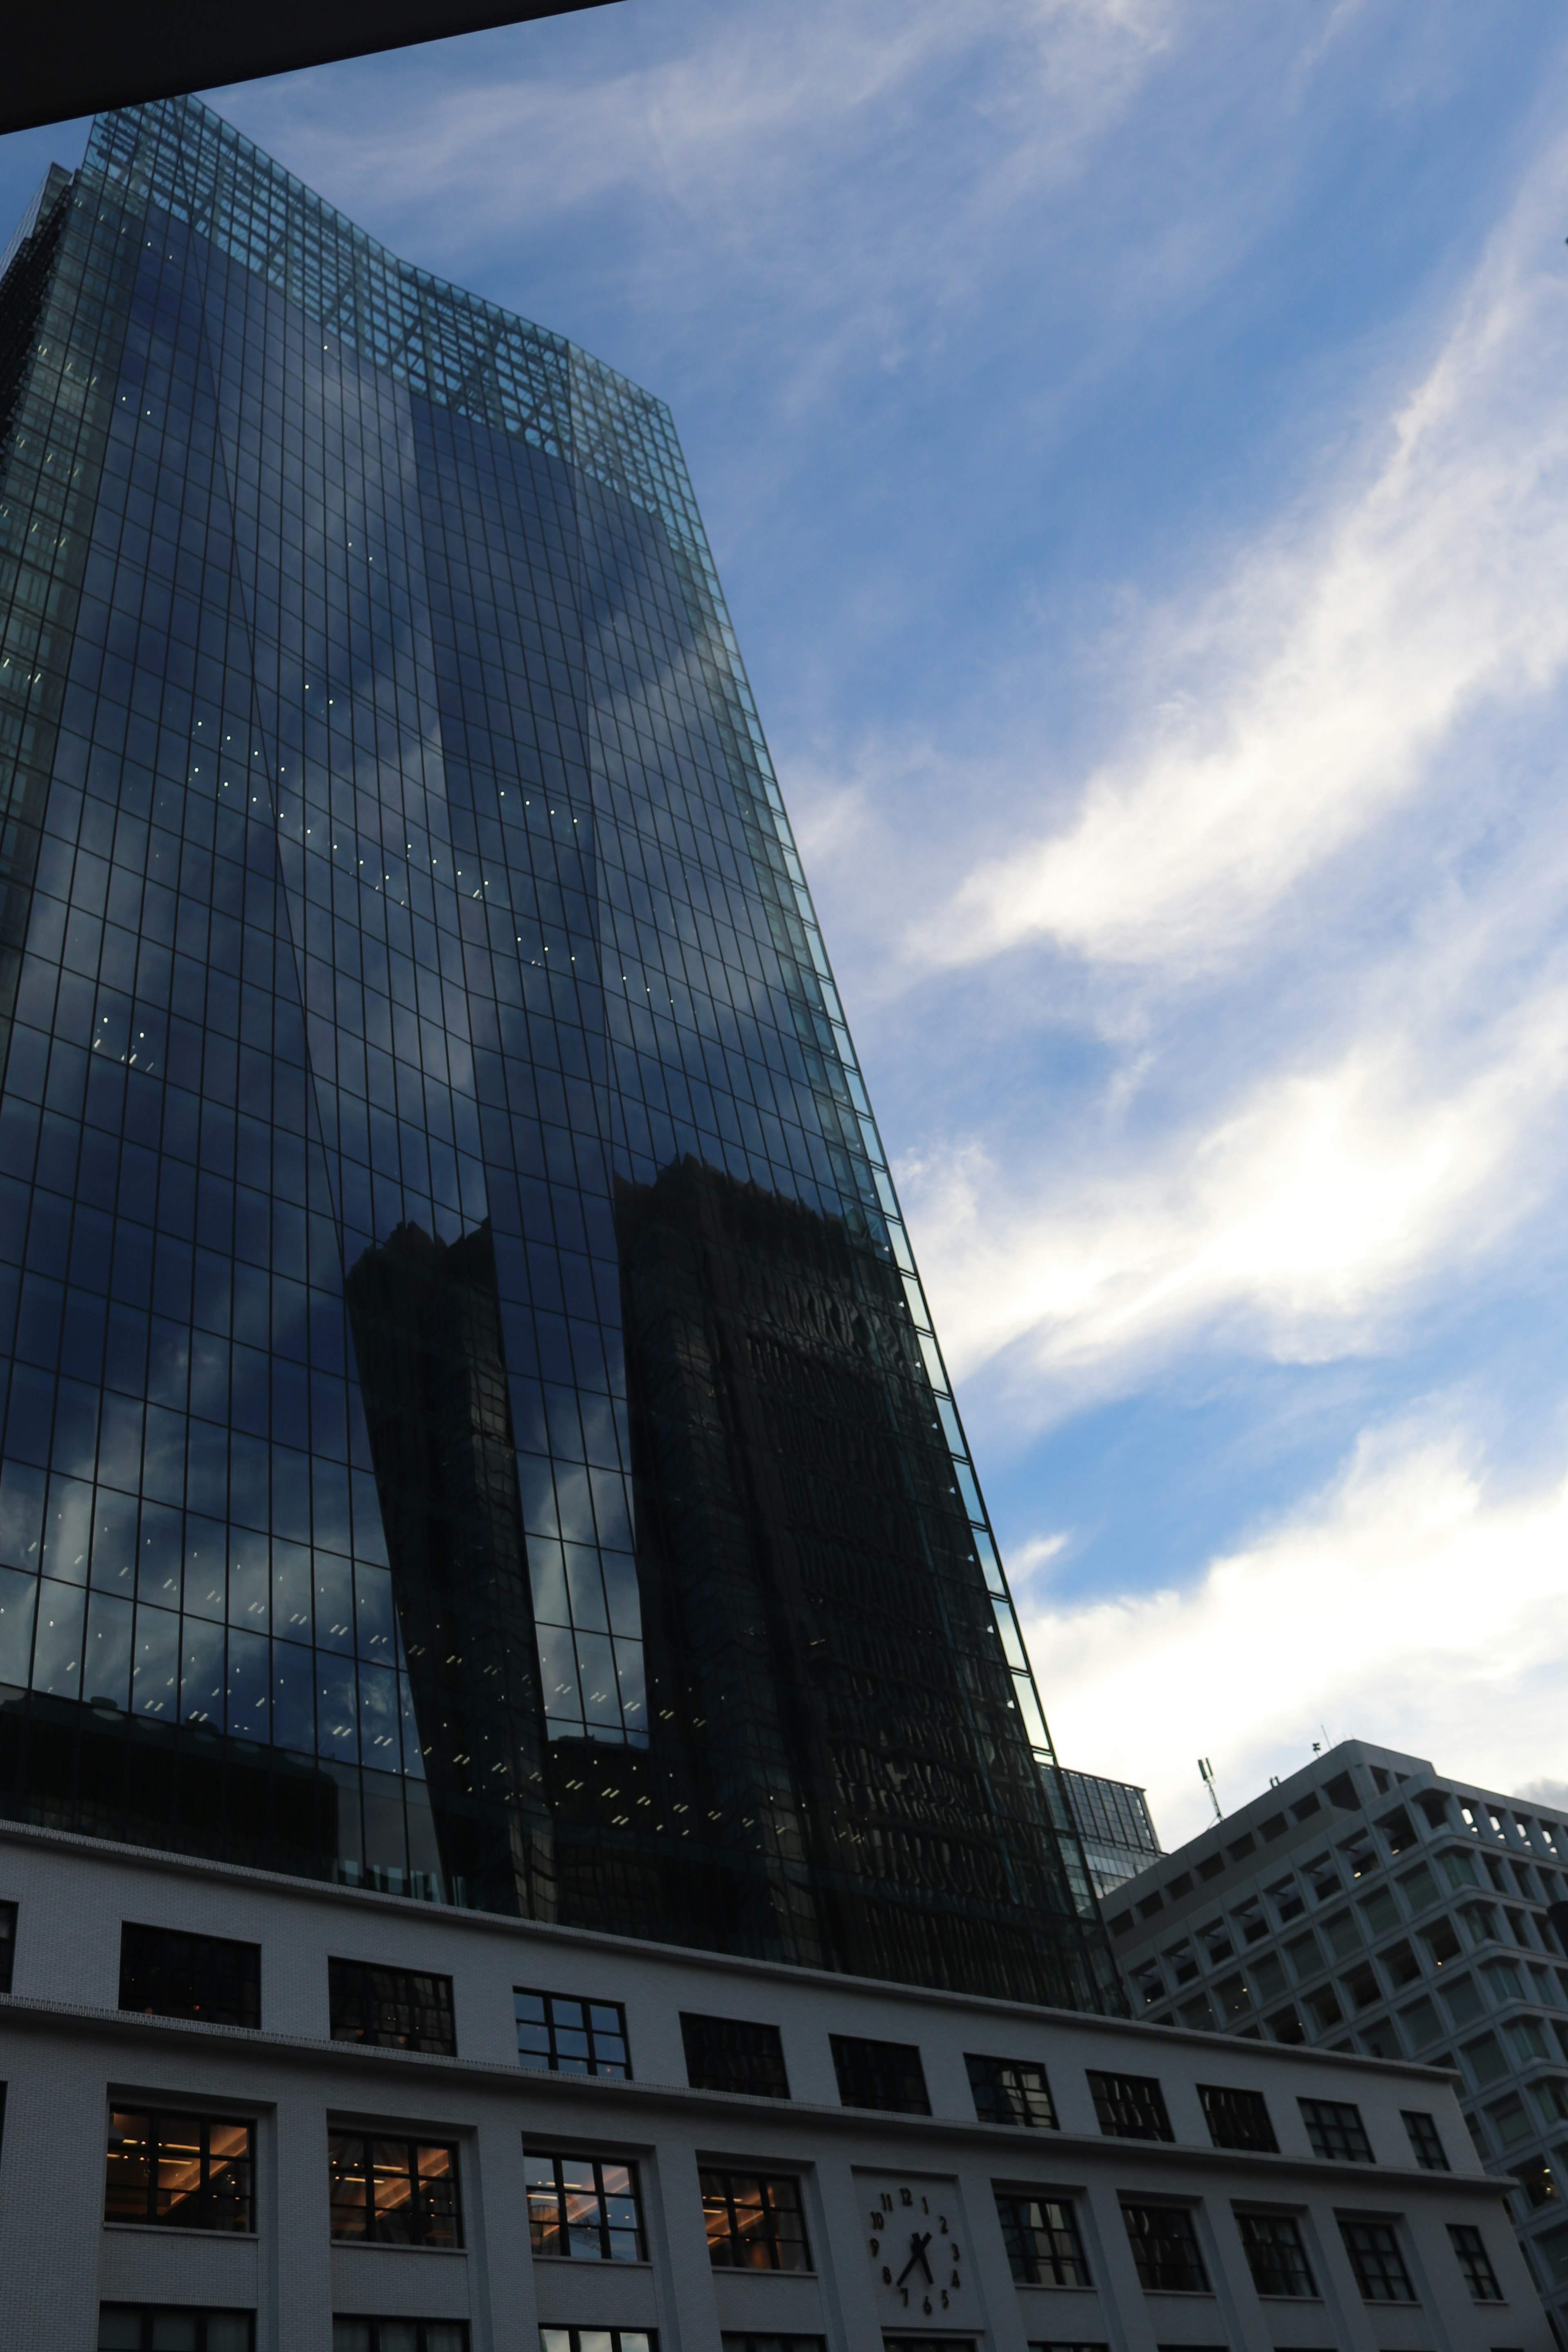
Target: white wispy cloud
{"type": "Point", "coordinates": [1314, 687]}
{"type": "Point", "coordinates": [1405, 1605]}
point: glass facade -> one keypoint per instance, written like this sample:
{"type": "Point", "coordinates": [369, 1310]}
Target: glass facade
{"type": "Point", "coordinates": [474, 1426]}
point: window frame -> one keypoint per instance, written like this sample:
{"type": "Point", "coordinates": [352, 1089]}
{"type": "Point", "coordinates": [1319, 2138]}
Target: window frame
{"type": "Point", "coordinates": [1426, 2140]}
{"type": "Point", "coordinates": [205, 2122]}
{"type": "Point", "coordinates": [1473, 2259]}
{"type": "Point", "coordinates": [554, 2337]}
{"type": "Point", "coordinates": [209, 2013]}
{"type": "Point", "coordinates": [695, 2023]}
{"type": "Point", "coordinates": [369, 2171]}
{"type": "Point", "coordinates": [1182, 2213]}
{"type": "Point", "coordinates": [566, 2251]}
{"type": "Point", "coordinates": [1109, 2101]}
{"type": "Point", "coordinates": [376, 2320]}
{"type": "Point", "coordinates": [736, 2238]}
{"type": "Point", "coordinates": [1323, 2119]}
{"type": "Point", "coordinates": [1217, 2096]}
{"type": "Point", "coordinates": [843, 2043]}
{"type": "Point", "coordinates": [1027, 2261]}
{"type": "Point", "coordinates": [9, 1914]}
{"type": "Point", "coordinates": [1001, 2090]}
{"type": "Point", "coordinates": [611, 2069]}
{"type": "Point", "coordinates": [1247, 2221]}
{"type": "Point", "coordinates": [149, 2314]}
{"type": "Point", "coordinates": [373, 2037]}
{"type": "Point", "coordinates": [1382, 2255]}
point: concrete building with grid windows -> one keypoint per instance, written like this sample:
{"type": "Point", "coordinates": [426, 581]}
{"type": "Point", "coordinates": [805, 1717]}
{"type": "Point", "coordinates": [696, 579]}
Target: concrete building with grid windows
{"type": "Point", "coordinates": [1369, 1903]}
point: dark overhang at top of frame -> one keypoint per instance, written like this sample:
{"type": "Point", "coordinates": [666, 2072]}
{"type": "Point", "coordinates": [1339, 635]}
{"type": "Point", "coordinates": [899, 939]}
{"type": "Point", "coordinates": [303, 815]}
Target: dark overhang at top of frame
{"type": "Point", "coordinates": [84, 57]}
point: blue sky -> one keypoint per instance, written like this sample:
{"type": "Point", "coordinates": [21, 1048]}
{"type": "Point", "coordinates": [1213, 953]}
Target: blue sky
{"type": "Point", "coordinates": [1134, 439]}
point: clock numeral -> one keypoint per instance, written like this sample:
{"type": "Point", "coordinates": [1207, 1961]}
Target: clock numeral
{"type": "Point", "coordinates": [886, 2202]}
{"type": "Point", "coordinates": [942, 2223]}
{"type": "Point", "coordinates": [957, 2282]}
{"type": "Point", "coordinates": [925, 2205]}
{"type": "Point", "coordinates": [906, 2197]}
{"type": "Point", "coordinates": [876, 2248]}
{"type": "Point", "coordinates": [887, 2274]}
{"type": "Point", "coordinates": [944, 2295]}
{"type": "Point", "coordinates": [927, 2307]}
{"type": "Point", "coordinates": [876, 2217]}
{"type": "Point", "coordinates": [905, 2292]}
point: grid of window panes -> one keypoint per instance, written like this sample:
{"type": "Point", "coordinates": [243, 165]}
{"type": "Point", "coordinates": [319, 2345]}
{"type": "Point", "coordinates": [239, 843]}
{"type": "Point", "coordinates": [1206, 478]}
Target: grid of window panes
{"type": "Point", "coordinates": [1336, 2130]}
{"type": "Point", "coordinates": [1041, 2234]}
{"type": "Point", "coordinates": [1165, 2248]}
{"type": "Point", "coordinates": [1129, 2106]}
{"type": "Point", "coordinates": [390, 2008]}
{"type": "Point", "coordinates": [370, 2334]}
{"type": "Point", "coordinates": [1471, 2252]}
{"type": "Point", "coordinates": [423, 1053]}
{"type": "Point", "coordinates": [754, 2222]}
{"type": "Point", "coordinates": [393, 2192]}
{"type": "Point", "coordinates": [166, 1973]}
{"type": "Point", "coordinates": [1375, 2258]}
{"type": "Point", "coordinates": [1011, 2091]}
{"type": "Point", "coordinates": [1275, 2253]}
{"type": "Point", "coordinates": [564, 2035]}
{"type": "Point", "coordinates": [600, 2339]}
{"type": "Point", "coordinates": [179, 2171]}
{"type": "Point", "coordinates": [147, 2328]}
{"type": "Point", "coordinates": [589, 2208]}
{"type": "Point", "coordinates": [732, 2053]}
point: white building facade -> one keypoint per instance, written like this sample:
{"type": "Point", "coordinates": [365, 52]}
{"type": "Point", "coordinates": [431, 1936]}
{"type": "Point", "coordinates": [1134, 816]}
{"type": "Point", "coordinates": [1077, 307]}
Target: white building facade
{"type": "Point", "coordinates": [546, 2161]}
{"type": "Point", "coordinates": [1369, 1903]}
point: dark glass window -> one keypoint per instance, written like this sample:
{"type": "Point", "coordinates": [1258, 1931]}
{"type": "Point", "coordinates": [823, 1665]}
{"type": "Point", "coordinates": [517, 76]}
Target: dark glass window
{"type": "Point", "coordinates": [754, 2222]}
{"type": "Point", "coordinates": [880, 2075]}
{"type": "Point", "coordinates": [1042, 2239]}
{"type": "Point", "coordinates": [8, 1944]}
{"type": "Point", "coordinates": [629, 2339]}
{"type": "Point", "coordinates": [1129, 2106]}
{"type": "Point", "coordinates": [1237, 2119]}
{"type": "Point", "coordinates": [165, 1973]}
{"type": "Point", "coordinates": [394, 2008]}
{"type": "Point", "coordinates": [187, 2172]}
{"type": "Point", "coordinates": [585, 2205]}
{"type": "Point", "coordinates": [1336, 2131]}
{"type": "Point", "coordinates": [148, 2328]}
{"type": "Point", "coordinates": [564, 2035]}
{"type": "Point", "coordinates": [1471, 2252]}
{"type": "Point", "coordinates": [352, 2335]}
{"type": "Point", "coordinates": [1165, 2248]}
{"type": "Point", "coordinates": [1275, 2254]}
{"type": "Point", "coordinates": [1375, 2258]}
{"type": "Point", "coordinates": [1011, 2091]}
{"type": "Point", "coordinates": [726, 2054]}
{"type": "Point", "coordinates": [1425, 2145]}
{"type": "Point", "coordinates": [393, 2192]}
{"type": "Point", "coordinates": [771, 2342]}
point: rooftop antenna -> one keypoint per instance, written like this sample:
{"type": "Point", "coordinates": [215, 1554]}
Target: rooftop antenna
{"type": "Point", "coordinates": [1205, 1774]}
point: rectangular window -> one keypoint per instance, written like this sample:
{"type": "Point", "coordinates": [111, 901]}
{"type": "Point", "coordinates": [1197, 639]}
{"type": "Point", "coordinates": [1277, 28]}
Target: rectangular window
{"type": "Point", "coordinates": [1425, 2145]}
{"type": "Point", "coordinates": [350, 2334]}
{"type": "Point", "coordinates": [1469, 2251]}
{"type": "Point", "coordinates": [1042, 2238]}
{"type": "Point", "coordinates": [1375, 2258]}
{"type": "Point", "coordinates": [1165, 2248]}
{"type": "Point", "coordinates": [393, 2192]}
{"type": "Point", "coordinates": [1335, 2130]}
{"type": "Point", "coordinates": [585, 2207]}
{"type": "Point", "coordinates": [164, 1972]}
{"type": "Point", "coordinates": [1275, 2254]}
{"type": "Point", "coordinates": [1011, 2091]}
{"type": "Point", "coordinates": [392, 2008]}
{"type": "Point", "coordinates": [632, 2339]}
{"type": "Point", "coordinates": [727, 2054]}
{"type": "Point", "coordinates": [771, 2342]}
{"type": "Point", "coordinates": [8, 1944]}
{"type": "Point", "coordinates": [1237, 2119]}
{"type": "Point", "coordinates": [886, 2074]}
{"type": "Point", "coordinates": [1131, 2106]}
{"type": "Point", "coordinates": [754, 2222]}
{"type": "Point", "coordinates": [184, 2172]}
{"type": "Point", "coordinates": [144, 2328]}
{"type": "Point", "coordinates": [562, 2035]}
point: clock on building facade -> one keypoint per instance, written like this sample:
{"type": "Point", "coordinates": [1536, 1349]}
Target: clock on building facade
{"type": "Point", "coordinates": [918, 2250]}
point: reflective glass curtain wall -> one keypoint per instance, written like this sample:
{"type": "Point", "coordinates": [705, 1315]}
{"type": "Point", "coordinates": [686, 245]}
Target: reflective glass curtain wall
{"type": "Point", "coordinates": [475, 1427]}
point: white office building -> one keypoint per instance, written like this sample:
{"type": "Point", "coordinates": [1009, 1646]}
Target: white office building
{"type": "Point", "coordinates": [1368, 1903]}
{"type": "Point", "coordinates": [246, 2113]}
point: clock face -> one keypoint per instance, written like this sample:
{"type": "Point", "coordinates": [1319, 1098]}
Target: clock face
{"type": "Point", "coordinates": [918, 2250]}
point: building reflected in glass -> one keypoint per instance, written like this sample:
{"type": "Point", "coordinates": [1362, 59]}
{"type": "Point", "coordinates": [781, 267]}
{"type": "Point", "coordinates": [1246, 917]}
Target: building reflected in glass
{"type": "Point", "coordinates": [474, 1426]}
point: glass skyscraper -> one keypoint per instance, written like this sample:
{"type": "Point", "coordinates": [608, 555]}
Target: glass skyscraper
{"type": "Point", "coordinates": [473, 1425]}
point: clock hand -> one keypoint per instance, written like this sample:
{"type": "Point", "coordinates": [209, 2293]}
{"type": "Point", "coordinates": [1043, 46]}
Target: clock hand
{"type": "Point", "coordinates": [916, 2255]}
